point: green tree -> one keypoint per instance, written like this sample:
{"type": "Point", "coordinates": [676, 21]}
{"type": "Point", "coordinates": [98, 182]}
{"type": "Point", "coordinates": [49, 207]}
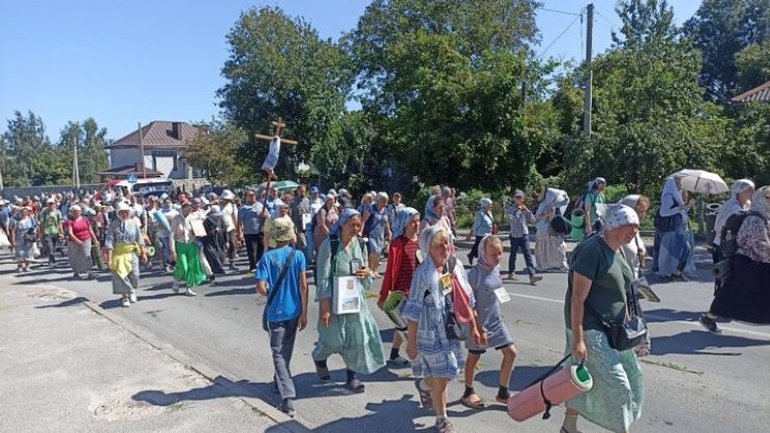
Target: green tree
{"type": "Point", "coordinates": [753, 64]}
{"type": "Point", "coordinates": [27, 150]}
{"type": "Point", "coordinates": [218, 150]}
{"type": "Point", "coordinates": [279, 67]}
{"type": "Point", "coordinates": [93, 156]}
{"type": "Point", "coordinates": [445, 80]}
{"type": "Point", "coordinates": [721, 29]}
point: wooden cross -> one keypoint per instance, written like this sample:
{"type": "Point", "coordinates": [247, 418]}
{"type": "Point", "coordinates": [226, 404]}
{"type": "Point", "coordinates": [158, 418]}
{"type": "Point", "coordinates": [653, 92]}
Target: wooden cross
{"type": "Point", "coordinates": [278, 125]}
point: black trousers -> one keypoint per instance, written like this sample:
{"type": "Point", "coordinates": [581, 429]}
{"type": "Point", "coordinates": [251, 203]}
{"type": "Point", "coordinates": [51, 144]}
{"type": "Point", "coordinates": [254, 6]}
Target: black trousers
{"type": "Point", "coordinates": [255, 243]}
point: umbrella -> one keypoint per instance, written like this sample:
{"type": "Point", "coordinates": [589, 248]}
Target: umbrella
{"type": "Point", "coordinates": [701, 181]}
{"type": "Point", "coordinates": [281, 186]}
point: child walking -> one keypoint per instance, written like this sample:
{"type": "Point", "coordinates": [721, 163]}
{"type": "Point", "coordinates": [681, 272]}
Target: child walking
{"type": "Point", "coordinates": [487, 284]}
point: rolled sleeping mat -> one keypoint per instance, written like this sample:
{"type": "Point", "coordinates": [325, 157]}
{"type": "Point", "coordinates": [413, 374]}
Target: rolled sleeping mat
{"type": "Point", "coordinates": [577, 218]}
{"type": "Point", "coordinates": [564, 385]}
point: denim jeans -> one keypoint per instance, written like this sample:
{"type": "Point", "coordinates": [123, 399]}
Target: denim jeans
{"type": "Point", "coordinates": [523, 245]}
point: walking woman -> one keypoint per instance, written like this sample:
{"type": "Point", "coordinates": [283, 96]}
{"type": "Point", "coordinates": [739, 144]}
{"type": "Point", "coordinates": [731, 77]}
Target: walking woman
{"type": "Point", "coordinates": [325, 219]}
{"type": "Point", "coordinates": [354, 336]}
{"type": "Point", "coordinates": [437, 358]}
{"type": "Point", "coordinates": [402, 262]}
{"type": "Point", "coordinates": [23, 238]}
{"type": "Point", "coordinates": [124, 244]}
{"type": "Point", "coordinates": [185, 252]}
{"type": "Point", "coordinates": [591, 202]}
{"type": "Point", "coordinates": [550, 249]}
{"type": "Point", "coordinates": [743, 295]}
{"type": "Point", "coordinates": [80, 235]}
{"type": "Point", "coordinates": [483, 225]}
{"type": "Point", "coordinates": [596, 292]}
{"type": "Point", "coordinates": [376, 229]}
{"type": "Point", "coordinates": [740, 201]}
{"type": "Point", "coordinates": [673, 249]}
{"type": "Point", "coordinates": [436, 214]}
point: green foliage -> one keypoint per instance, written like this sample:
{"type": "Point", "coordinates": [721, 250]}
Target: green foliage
{"type": "Point", "coordinates": [721, 29]}
{"type": "Point", "coordinates": [279, 67]}
{"type": "Point", "coordinates": [217, 149]}
{"type": "Point", "coordinates": [445, 79]}
{"type": "Point", "coordinates": [753, 65]}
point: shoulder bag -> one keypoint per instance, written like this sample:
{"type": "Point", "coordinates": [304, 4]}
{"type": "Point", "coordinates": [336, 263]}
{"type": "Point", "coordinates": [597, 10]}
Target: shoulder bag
{"type": "Point", "coordinates": [271, 294]}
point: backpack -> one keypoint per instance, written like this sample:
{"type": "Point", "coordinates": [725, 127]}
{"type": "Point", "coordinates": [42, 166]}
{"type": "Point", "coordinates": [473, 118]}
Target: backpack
{"type": "Point", "coordinates": [729, 235]}
{"type": "Point", "coordinates": [580, 203]}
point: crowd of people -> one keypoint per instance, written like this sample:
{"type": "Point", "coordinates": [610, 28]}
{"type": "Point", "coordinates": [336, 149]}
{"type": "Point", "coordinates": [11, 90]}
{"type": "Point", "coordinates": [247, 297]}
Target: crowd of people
{"type": "Point", "coordinates": [287, 237]}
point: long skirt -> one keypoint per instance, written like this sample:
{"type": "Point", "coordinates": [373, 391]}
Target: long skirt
{"type": "Point", "coordinates": [615, 401]}
{"type": "Point", "coordinates": [80, 256]}
{"type": "Point", "coordinates": [745, 294]}
{"type": "Point", "coordinates": [24, 251]}
{"type": "Point", "coordinates": [215, 254]}
{"type": "Point", "coordinates": [188, 264]}
{"type": "Point", "coordinates": [128, 284]}
{"type": "Point", "coordinates": [550, 251]}
{"type": "Point", "coordinates": [673, 253]}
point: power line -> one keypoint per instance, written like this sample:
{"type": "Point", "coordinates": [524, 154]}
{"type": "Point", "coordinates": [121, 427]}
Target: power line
{"type": "Point", "coordinates": [612, 24]}
{"type": "Point", "coordinates": [577, 17]}
{"type": "Point", "coordinates": [558, 11]}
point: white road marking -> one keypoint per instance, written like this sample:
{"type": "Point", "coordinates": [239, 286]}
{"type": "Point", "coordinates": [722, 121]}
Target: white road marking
{"type": "Point", "coordinates": [694, 324]}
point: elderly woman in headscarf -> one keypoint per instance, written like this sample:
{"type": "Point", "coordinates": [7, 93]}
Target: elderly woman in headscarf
{"type": "Point", "coordinates": [740, 201]}
{"type": "Point", "coordinates": [436, 214]}
{"type": "Point", "coordinates": [743, 295]}
{"type": "Point", "coordinates": [483, 224]}
{"type": "Point", "coordinates": [672, 249]}
{"type": "Point", "coordinates": [402, 262]}
{"type": "Point", "coordinates": [325, 219]}
{"type": "Point", "coordinates": [550, 249]}
{"type": "Point", "coordinates": [376, 229]}
{"type": "Point", "coordinates": [597, 288]}
{"type": "Point", "coordinates": [79, 237]}
{"type": "Point", "coordinates": [124, 244]}
{"type": "Point", "coordinates": [354, 336]}
{"type": "Point", "coordinates": [438, 358]}
{"type": "Point", "coordinates": [23, 237]}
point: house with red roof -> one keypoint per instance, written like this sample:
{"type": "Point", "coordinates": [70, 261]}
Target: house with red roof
{"type": "Point", "coordinates": [154, 150]}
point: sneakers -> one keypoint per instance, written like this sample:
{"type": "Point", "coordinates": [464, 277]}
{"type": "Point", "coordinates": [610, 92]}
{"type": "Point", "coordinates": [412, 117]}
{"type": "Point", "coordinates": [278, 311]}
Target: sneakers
{"type": "Point", "coordinates": [356, 386]}
{"type": "Point", "coordinates": [125, 302]}
{"type": "Point", "coordinates": [444, 426]}
{"type": "Point", "coordinates": [132, 297]}
{"type": "Point", "coordinates": [534, 279]}
{"type": "Point", "coordinates": [189, 292]}
{"type": "Point", "coordinates": [175, 287]}
{"type": "Point", "coordinates": [512, 276]}
{"type": "Point", "coordinates": [287, 407]}
{"type": "Point", "coordinates": [709, 323]}
{"type": "Point", "coordinates": [398, 362]}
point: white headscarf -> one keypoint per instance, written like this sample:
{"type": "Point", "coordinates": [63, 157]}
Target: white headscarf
{"type": "Point", "coordinates": [554, 198]}
{"type": "Point", "coordinates": [619, 215]}
{"type": "Point", "coordinates": [670, 189]}
{"type": "Point", "coordinates": [426, 238]}
{"type": "Point", "coordinates": [732, 206]}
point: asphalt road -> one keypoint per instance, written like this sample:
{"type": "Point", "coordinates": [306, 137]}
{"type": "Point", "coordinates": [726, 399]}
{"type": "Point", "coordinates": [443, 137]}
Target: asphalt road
{"type": "Point", "coordinates": [694, 381]}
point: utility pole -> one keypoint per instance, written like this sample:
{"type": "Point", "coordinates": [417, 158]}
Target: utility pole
{"type": "Point", "coordinates": [588, 103]}
{"type": "Point", "coordinates": [75, 168]}
{"type": "Point", "coordinates": [141, 152]}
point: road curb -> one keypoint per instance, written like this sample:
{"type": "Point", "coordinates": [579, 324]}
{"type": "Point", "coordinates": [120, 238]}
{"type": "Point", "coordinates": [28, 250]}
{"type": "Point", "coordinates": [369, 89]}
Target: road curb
{"type": "Point", "coordinates": [282, 420]}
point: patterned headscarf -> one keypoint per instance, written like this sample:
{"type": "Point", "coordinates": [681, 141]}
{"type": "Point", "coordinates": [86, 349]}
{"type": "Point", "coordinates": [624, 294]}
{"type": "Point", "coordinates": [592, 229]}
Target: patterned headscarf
{"type": "Point", "coordinates": [483, 259]}
{"type": "Point", "coordinates": [759, 201]}
{"type": "Point", "coordinates": [619, 215]}
{"type": "Point", "coordinates": [485, 203]}
{"type": "Point", "coordinates": [402, 219]}
{"type": "Point", "coordinates": [344, 217]}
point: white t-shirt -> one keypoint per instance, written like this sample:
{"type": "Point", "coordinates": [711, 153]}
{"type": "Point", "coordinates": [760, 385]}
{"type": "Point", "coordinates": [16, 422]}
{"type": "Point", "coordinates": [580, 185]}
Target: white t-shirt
{"type": "Point", "coordinates": [229, 211]}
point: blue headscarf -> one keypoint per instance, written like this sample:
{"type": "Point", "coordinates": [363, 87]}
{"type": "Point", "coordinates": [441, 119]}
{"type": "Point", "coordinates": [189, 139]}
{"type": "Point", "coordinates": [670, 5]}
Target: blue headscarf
{"type": "Point", "coordinates": [344, 217]}
{"type": "Point", "coordinates": [429, 212]}
{"type": "Point", "coordinates": [402, 219]}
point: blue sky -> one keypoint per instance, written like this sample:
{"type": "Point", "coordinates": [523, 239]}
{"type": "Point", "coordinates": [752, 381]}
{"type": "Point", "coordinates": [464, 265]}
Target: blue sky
{"type": "Point", "coordinates": [128, 61]}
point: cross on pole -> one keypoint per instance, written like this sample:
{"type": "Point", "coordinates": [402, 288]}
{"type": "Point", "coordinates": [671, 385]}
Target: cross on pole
{"type": "Point", "coordinates": [275, 147]}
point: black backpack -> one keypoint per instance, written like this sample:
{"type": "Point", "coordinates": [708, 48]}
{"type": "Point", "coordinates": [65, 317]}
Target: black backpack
{"type": "Point", "coordinates": [729, 234]}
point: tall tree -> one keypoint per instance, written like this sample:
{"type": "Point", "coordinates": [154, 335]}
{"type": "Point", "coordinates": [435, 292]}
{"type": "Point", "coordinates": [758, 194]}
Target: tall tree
{"type": "Point", "coordinates": [218, 149]}
{"type": "Point", "coordinates": [445, 77]}
{"type": "Point", "coordinates": [721, 29]}
{"type": "Point", "coordinates": [279, 67]}
{"type": "Point", "coordinates": [94, 151]}
{"type": "Point", "coordinates": [753, 64]}
{"type": "Point", "coordinates": [26, 147]}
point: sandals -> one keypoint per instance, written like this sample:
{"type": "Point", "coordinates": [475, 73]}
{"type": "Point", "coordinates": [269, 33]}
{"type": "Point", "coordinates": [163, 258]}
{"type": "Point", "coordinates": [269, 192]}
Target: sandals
{"type": "Point", "coordinates": [473, 401]}
{"type": "Point", "coordinates": [356, 386]}
{"type": "Point", "coordinates": [503, 401]}
{"type": "Point", "coordinates": [426, 400]}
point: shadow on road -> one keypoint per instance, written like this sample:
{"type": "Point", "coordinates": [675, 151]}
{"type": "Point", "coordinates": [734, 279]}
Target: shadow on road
{"type": "Point", "coordinates": [522, 376]}
{"type": "Point", "coordinates": [697, 343]}
{"type": "Point", "coordinates": [247, 291]}
{"type": "Point", "coordinates": [68, 303]}
{"type": "Point", "coordinates": [662, 315]}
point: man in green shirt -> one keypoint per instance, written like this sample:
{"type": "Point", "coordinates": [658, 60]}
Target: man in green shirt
{"type": "Point", "coordinates": [51, 230]}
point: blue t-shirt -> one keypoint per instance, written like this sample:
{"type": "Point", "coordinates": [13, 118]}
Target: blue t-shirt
{"type": "Point", "coordinates": [249, 216]}
{"type": "Point", "coordinates": [287, 303]}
